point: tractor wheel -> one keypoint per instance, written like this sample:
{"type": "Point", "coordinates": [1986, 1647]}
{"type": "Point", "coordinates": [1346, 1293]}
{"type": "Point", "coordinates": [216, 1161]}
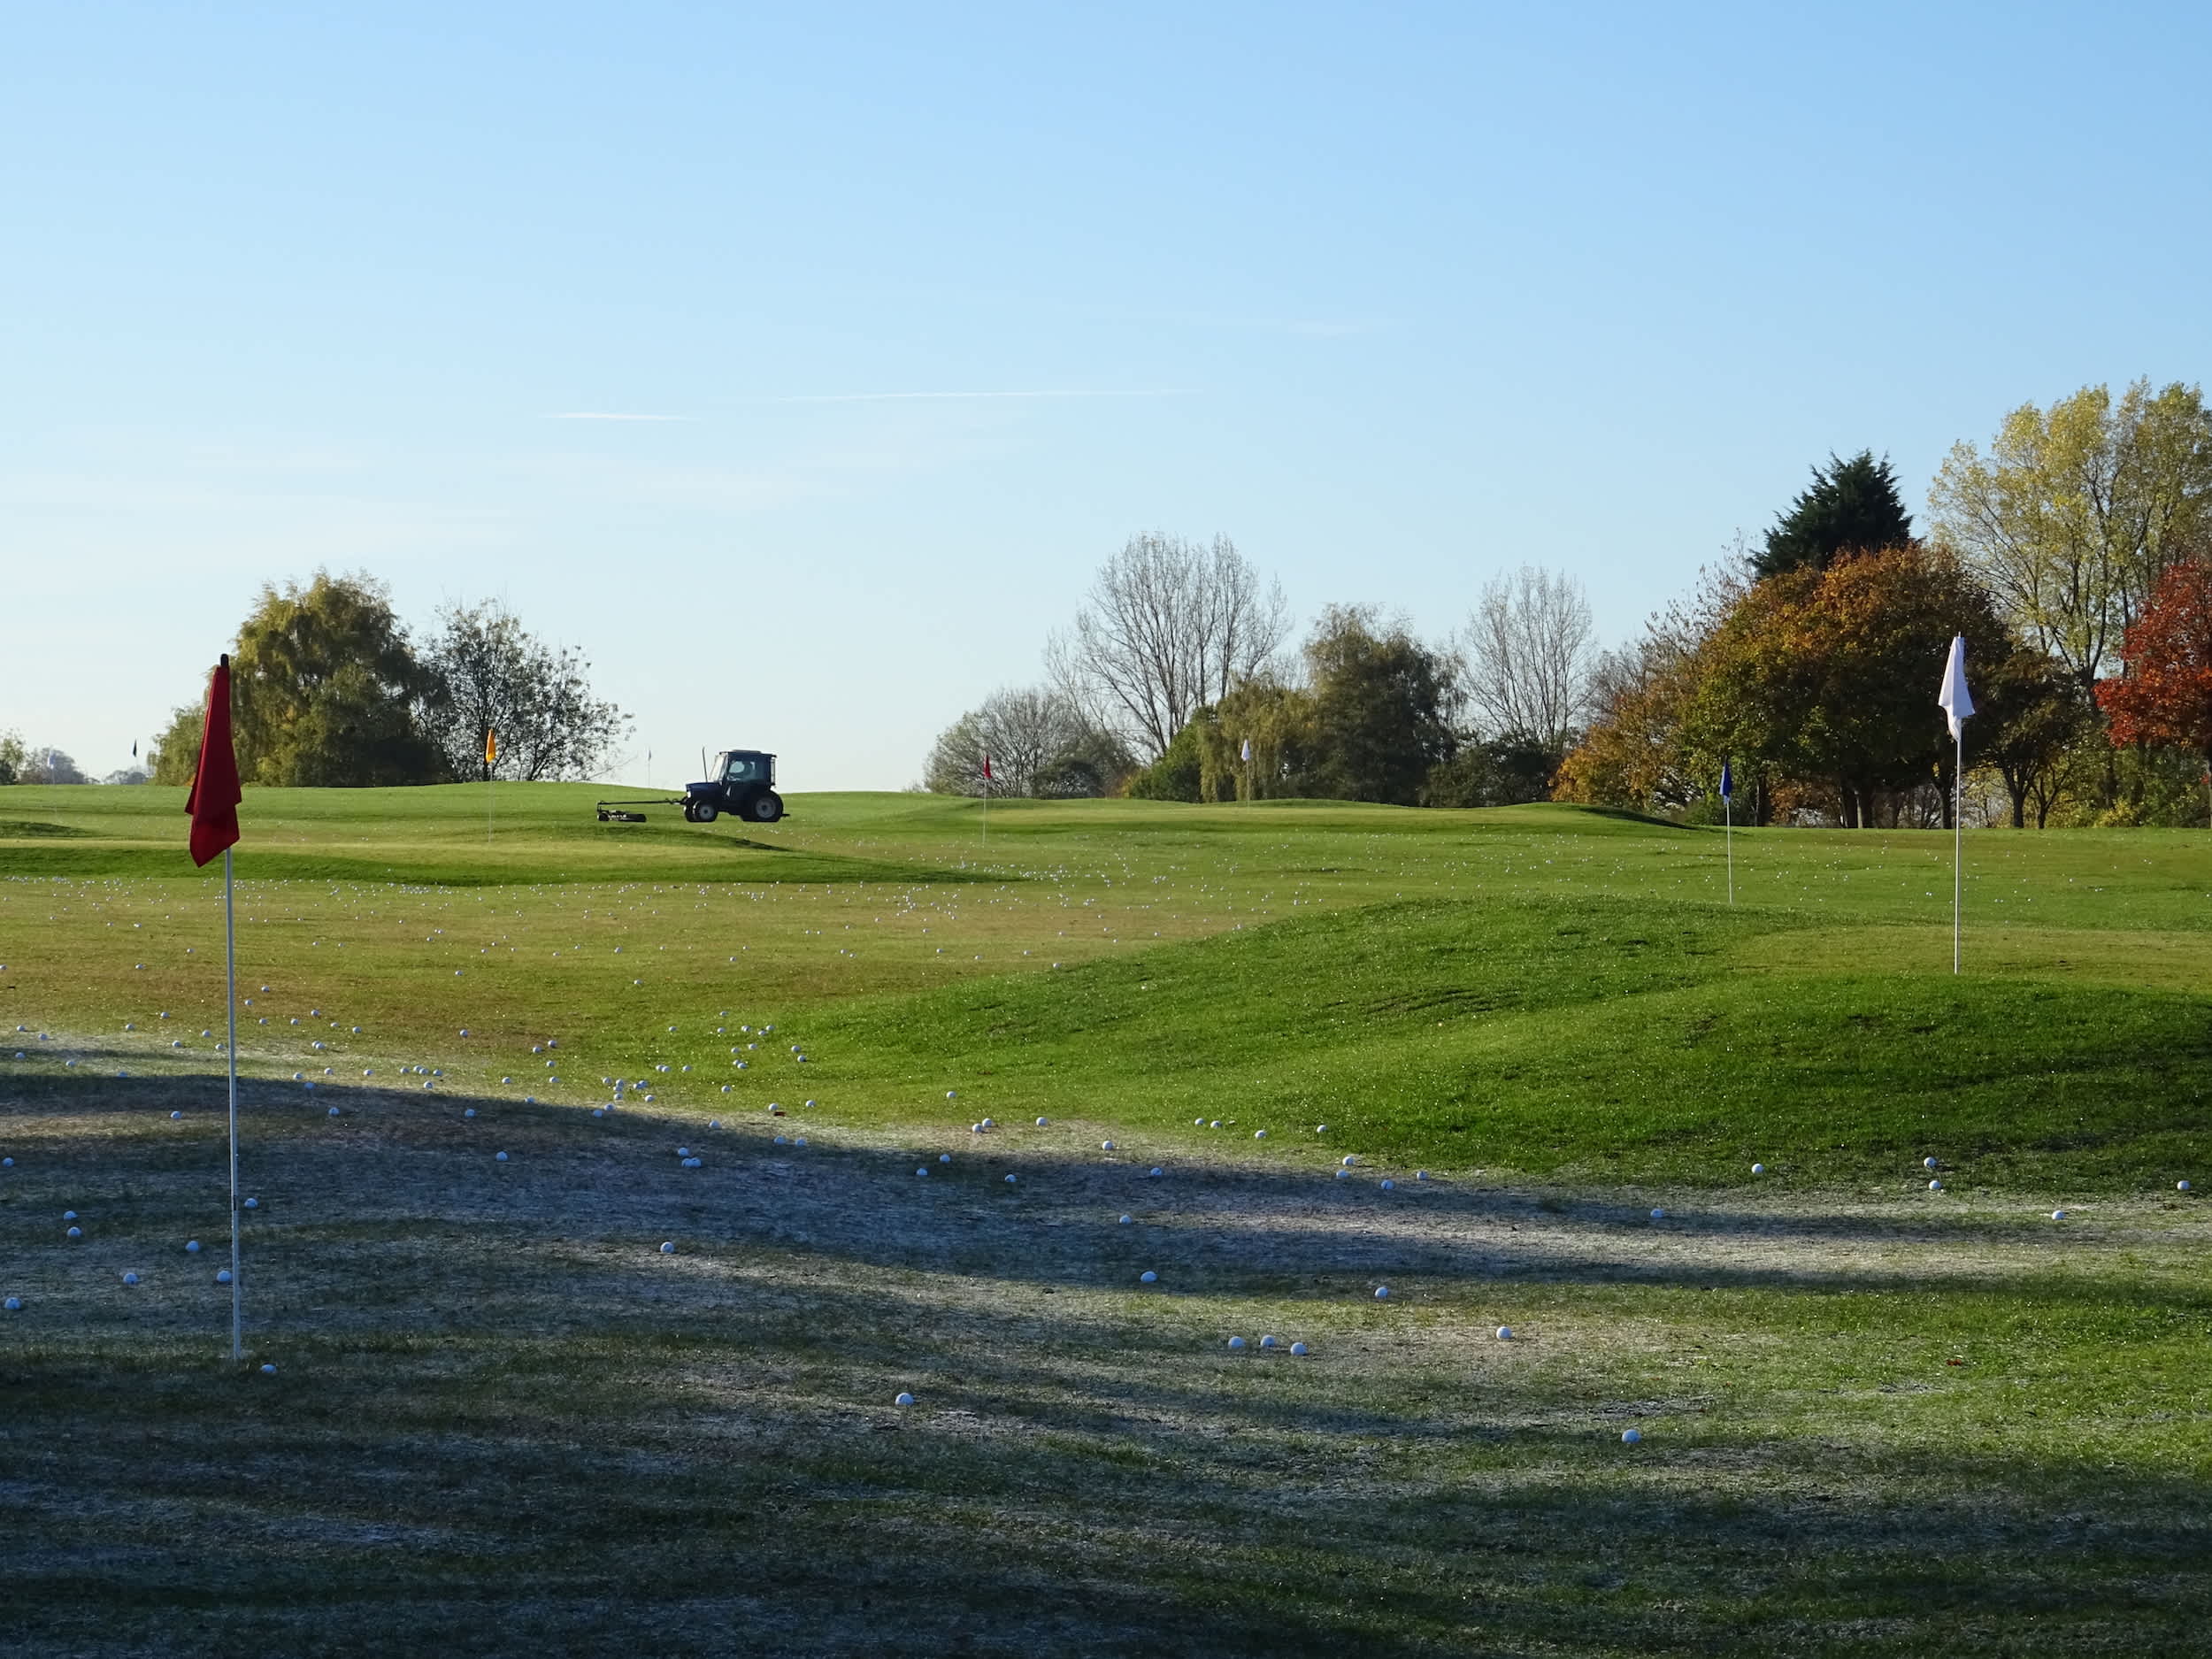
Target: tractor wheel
{"type": "Point", "coordinates": [765, 808]}
{"type": "Point", "coordinates": [705, 813]}
{"type": "Point", "coordinates": [691, 813]}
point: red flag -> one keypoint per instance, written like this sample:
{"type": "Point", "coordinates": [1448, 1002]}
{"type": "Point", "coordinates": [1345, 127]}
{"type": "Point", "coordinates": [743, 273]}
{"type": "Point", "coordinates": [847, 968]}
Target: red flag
{"type": "Point", "coordinates": [986, 768]}
{"type": "Point", "coordinates": [213, 803]}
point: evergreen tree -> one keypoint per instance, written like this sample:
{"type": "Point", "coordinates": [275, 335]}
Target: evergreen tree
{"type": "Point", "coordinates": [1853, 507]}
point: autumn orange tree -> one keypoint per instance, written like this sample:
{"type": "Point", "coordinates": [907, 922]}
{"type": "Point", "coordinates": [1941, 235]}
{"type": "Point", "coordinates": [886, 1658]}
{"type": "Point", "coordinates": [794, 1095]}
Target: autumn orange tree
{"type": "Point", "coordinates": [2165, 696]}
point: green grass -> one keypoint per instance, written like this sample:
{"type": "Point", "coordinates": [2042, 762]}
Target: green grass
{"type": "Point", "coordinates": [1878, 1419]}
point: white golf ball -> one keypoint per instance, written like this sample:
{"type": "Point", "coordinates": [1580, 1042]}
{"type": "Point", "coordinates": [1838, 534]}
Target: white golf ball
{"type": "Point", "coordinates": [253, 1203]}
{"type": "Point", "coordinates": [14, 1304]}
{"type": "Point", "coordinates": [1041, 1122]}
{"type": "Point", "coordinates": [500, 1157]}
{"type": "Point", "coordinates": [1350, 1159]}
{"type": "Point", "coordinates": [1299, 1348]}
{"type": "Point", "coordinates": [1344, 1175]}
{"type": "Point", "coordinates": [1148, 1277]}
{"type": "Point", "coordinates": [76, 1232]}
{"type": "Point", "coordinates": [471, 1112]}
{"type": "Point", "coordinates": [1236, 1342]}
{"type": "Point", "coordinates": [1630, 1437]}
{"type": "Point", "coordinates": [1658, 1215]}
{"type": "Point", "coordinates": [944, 1157]}
{"type": "Point", "coordinates": [130, 1278]}
{"type": "Point", "coordinates": [1268, 1342]}
{"type": "Point", "coordinates": [2058, 1215]}
{"type": "Point", "coordinates": [952, 1094]}
{"type": "Point", "coordinates": [1155, 1170]}
{"type": "Point", "coordinates": [2181, 1187]}
{"type": "Point", "coordinates": [1124, 1221]}
{"type": "Point", "coordinates": [903, 1400]}
{"type": "Point", "coordinates": [1929, 1163]}
{"type": "Point", "coordinates": [1010, 1180]}
{"type": "Point", "coordinates": [1505, 1333]}
{"type": "Point", "coordinates": [1935, 1187]}
{"type": "Point", "coordinates": [1382, 1293]}
{"type": "Point", "coordinates": [268, 1371]}
{"type": "Point", "coordinates": [1105, 1146]}
{"type": "Point", "coordinates": [923, 1171]}
{"type": "Point", "coordinates": [175, 1116]}
{"type": "Point", "coordinates": [192, 1247]}
{"type": "Point", "coordinates": [1259, 1134]}
{"type": "Point", "coordinates": [1758, 1169]}
{"type": "Point", "coordinates": [223, 1278]}
{"type": "Point", "coordinates": [1420, 1175]}
{"type": "Point", "coordinates": [668, 1247]}
{"type": "Point", "coordinates": [1390, 1187]}
{"type": "Point", "coordinates": [333, 1112]}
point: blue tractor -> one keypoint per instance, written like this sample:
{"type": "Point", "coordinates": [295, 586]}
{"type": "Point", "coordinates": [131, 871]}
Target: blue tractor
{"type": "Point", "coordinates": [742, 784]}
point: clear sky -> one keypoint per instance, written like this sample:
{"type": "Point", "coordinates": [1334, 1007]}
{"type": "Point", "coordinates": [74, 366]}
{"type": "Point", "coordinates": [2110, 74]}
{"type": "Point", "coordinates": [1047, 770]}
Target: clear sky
{"type": "Point", "coordinates": [932, 307]}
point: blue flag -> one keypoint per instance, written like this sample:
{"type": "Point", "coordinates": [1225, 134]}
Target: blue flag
{"type": "Point", "coordinates": [1727, 782]}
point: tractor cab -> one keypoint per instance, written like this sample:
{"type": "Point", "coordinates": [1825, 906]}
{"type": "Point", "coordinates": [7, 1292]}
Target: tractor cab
{"type": "Point", "coordinates": [743, 785]}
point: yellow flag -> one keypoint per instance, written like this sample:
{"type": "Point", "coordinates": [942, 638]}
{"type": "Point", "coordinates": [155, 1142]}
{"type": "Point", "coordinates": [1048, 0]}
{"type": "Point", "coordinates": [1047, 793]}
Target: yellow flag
{"type": "Point", "coordinates": [491, 746]}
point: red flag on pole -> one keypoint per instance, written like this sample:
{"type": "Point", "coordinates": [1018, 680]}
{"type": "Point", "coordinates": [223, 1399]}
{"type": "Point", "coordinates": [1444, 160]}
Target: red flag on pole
{"type": "Point", "coordinates": [213, 803]}
{"type": "Point", "coordinates": [986, 768]}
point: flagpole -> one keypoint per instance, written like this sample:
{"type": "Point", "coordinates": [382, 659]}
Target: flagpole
{"type": "Point", "coordinates": [1728, 836]}
{"type": "Point", "coordinates": [1958, 842]}
{"type": "Point", "coordinates": [230, 963]}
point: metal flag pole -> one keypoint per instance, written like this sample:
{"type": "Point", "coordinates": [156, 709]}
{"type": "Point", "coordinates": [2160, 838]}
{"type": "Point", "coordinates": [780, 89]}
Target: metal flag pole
{"type": "Point", "coordinates": [230, 961]}
{"type": "Point", "coordinates": [1958, 842]}
{"type": "Point", "coordinates": [1728, 834]}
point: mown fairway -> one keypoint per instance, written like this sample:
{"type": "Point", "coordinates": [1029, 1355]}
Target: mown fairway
{"type": "Point", "coordinates": [1876, 1418]}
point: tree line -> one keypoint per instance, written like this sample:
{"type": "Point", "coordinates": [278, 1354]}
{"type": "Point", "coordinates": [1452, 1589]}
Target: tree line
{"type": "Point", "coordinates": [2074, 555]}
{"type": "Point", "coordinates": [1176, 680]}
{"type": "Point", "coordinates": [329, 689]}
{"type": "Point", "coordinates": [2070, 555]}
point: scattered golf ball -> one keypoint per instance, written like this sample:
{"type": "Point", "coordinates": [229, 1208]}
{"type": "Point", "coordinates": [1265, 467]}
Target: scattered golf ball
{"type": "Point", "coordinates": [76, 1232]}
{"type": "Point", "coordinates": [904, 1399]}
{"type": "Point", "coordinates": [668, 1247]}
{"type": "Point", "coordinates": [1658, 1215]}
{"type": "Point", "coordinates": [1630, 1437]}
{"type": "Point", "coordinates": [1382, 1293]}
{"type": "Point", "coordinates": [1390, 1187]}
{"type": "Point", "coordinates": [1298, 1348]}
{"type": "Point", "coordinates": [1505, 1333]}
{"type": "Point", "coordinates": [1124, 1221]}
{"type": "Point", "coordinates": [223, 1278]}
{"type": "Point", "coordinates": [1344, 1175]}
{"type": "Point", "coordinates": [2181, 1187]}
{"type": "Point", "coordinates": [1259, 1134]}
{"type": "Point", "coordinates": [471, 1112]}
{"type": "Point", "coordinates": [952, 1094]}
{"type": "Point", "coordinates": [1420, 1175]}
{"type": "Point", "coordinates": [2058, 1215]}
{"type": "Point", "coordinates": [1010, 1180]}
{"type": "Point", "coordinates": [253, 1203]}
{"type": "Point", "coordinates": [268, 1371]}
{"type": "Point", "coordinates": [1350, 1159]}
{"type": "Point", "coordinates": [14, 1304]}
{"type": "Point", "coordinates": [923, 1171]}
{"type": "Point", "coordinates": [1156, 1169]}
{"type": "Point", "coordinates": [1148, 1277]}
{"type": "Point", "coordinates": [192, 1247]}
{"type": "Point", "coordinates": [1929, 1163]}
{"type": "Point", "coordinates": [944, 1157]}
{"type": "Point", "coordinates": [1269, 1342]}
{"type": "Point", "coordinates": [1758, 1169]}
{"type": "Point", "coordinates": [333, 1112]}
{"type": "Point", "coordinates": [1105, 1146]}
{"type": "Point", "coordinates": [500, 1157]}
{"type": "Point", "coordinates": [1041, 1122]}
{"type": "Point", "coordinates": [130, 1278]}
{"type": "Point", "coordinates": [175, 1116]}
{"type": "Point", "coordinates": [1935, 1187]}
{"type": "Point", "coordinates": [1236, 1342]}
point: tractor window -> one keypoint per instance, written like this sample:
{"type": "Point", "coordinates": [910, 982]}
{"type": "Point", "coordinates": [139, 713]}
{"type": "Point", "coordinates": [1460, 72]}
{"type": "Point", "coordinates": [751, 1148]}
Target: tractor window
{"type": "Point", "coordinates": [739, 769]}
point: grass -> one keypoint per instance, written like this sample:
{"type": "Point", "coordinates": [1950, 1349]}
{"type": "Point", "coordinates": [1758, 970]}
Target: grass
{"type": "Point", "coordinates": [1876, 1419]}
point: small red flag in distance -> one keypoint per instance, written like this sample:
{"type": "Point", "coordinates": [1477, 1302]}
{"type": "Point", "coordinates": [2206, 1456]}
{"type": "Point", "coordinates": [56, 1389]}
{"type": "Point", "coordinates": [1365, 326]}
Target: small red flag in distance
{"type": "Point", "coordinates": [986, 768]}
{"type": "Point", "coordinates": [213, 803]}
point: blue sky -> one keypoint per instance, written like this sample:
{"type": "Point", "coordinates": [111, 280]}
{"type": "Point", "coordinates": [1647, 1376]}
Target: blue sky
{"type": "Point", "coordinates": [936, 306]}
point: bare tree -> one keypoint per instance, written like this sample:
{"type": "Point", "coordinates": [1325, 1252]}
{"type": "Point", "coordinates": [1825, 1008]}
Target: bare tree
{"type": "Point", "coordinates": [1036, 739]}
{"type": "Point", "coordinates": [1531, 662]}
{"type": "Point", "coordinates": [1168, 627]}
{"type": "Point", "coordinates": [490, 676]}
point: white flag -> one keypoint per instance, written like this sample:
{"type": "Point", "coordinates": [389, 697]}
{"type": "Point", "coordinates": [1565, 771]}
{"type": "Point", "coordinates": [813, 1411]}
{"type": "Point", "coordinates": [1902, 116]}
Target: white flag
{"type": "Point", "coordinates": [1247, 748]}
{"type": "Point", "coordinates": [1955, 700]}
